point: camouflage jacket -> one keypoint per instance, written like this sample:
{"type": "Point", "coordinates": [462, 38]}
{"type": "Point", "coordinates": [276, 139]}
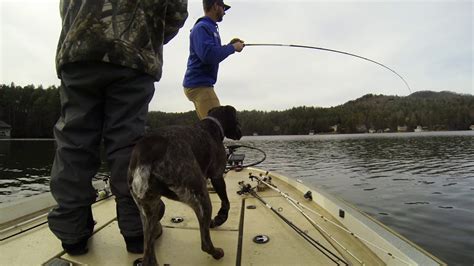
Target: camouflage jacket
{"type": "Point", "coordinates": [129, 33]}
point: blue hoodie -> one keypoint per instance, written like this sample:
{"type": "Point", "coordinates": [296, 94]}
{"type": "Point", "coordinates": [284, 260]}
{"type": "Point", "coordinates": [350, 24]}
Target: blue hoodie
{"type": "Point", "coordinates": [205, 54]}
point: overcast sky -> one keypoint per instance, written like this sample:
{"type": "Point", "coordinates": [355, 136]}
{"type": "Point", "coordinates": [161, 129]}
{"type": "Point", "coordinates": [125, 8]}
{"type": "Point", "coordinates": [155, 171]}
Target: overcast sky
{"type": "Point", "coordinates": [429, 43]}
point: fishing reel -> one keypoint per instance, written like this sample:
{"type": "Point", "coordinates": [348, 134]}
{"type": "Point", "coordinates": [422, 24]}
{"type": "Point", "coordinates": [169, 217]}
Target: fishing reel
{"type": "Point", "coordinates": [261, 186]}
{"type": "Point", "coordinates": [244, 188]}
{"type": "Point", "coordinates": [103, 191]}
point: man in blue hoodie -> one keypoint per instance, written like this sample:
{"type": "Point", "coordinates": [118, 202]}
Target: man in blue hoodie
{"type": "Point", "coordinates": [205, 54]}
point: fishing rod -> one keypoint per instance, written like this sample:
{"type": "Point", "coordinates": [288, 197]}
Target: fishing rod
{"type": "Point", "coordinates": [296, 203]}
{"type": "Point", "coordinates": [247, 188]}
{"type": "Point", "coordinates": [329, 50]}
{"type": "Point", "coordinates": [308, 218]}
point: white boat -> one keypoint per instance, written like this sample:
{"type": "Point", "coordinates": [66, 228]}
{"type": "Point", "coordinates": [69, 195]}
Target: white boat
{"type": "Point", "coordinates": [418, 129]}
{"type": "Point", "coordinates": [282, 223]}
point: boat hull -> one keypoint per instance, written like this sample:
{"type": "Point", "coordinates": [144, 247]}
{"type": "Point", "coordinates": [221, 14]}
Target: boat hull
{"type": "Point", "coordinates": [339, 228]}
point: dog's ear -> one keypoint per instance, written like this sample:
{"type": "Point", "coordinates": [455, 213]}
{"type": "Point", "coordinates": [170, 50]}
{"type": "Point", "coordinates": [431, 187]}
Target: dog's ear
{"type": "Point", "coordinates": [232, 127]}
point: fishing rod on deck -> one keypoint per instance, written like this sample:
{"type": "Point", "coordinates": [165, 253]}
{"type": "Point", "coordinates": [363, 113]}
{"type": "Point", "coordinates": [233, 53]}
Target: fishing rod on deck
{"type": "Point", "coordinates": [299, 206]}
{"type": "Point", "coordinates": [247, 189]}
{"type": "Point", "coordinates": [328, 50]}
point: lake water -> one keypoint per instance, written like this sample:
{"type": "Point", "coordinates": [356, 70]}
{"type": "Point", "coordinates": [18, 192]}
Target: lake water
{"type": "Point", "coordinates": [420, 184]}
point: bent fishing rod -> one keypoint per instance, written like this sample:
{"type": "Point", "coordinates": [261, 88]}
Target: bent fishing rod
{"type": "Point", "coordinates": [329, 50]}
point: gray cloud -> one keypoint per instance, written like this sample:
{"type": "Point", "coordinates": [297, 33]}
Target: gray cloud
{"type": "Point", "coordinates": [427, 42]}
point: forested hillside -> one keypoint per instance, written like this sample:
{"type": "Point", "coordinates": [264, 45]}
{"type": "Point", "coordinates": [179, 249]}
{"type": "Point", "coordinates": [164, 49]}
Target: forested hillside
{"type": "Point", "coordinates": [430, 110]}
{"type": "Point", "coordinates": [32, 112]}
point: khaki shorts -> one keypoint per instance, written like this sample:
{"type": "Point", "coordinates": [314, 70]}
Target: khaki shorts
{"type": "Point", "coordinates": [204, 99]}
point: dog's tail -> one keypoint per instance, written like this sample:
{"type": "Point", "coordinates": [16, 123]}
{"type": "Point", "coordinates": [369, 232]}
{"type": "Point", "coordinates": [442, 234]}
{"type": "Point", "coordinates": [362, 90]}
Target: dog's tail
{"type": "Point", "coordinates": [140, 177]}
{"type": "Point", "coordinates": [149, 150]}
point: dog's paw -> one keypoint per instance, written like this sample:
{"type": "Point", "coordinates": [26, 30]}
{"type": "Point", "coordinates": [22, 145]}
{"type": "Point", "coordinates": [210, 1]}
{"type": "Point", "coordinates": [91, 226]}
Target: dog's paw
{"type": "Point", "coordinates": [218, 220]}
{"type": "Point", "coordinates": [218, 253]}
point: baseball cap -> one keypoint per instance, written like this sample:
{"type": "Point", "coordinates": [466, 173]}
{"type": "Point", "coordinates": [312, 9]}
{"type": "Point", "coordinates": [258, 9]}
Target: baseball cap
{"type": "Point", "coordinates": [209, 3]}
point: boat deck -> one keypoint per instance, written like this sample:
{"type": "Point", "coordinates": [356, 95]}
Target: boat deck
{"type": "Point", "coordinates": [180, 242]}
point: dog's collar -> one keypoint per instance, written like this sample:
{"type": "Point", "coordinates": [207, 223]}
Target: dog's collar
{"type": "Point", "coordinates": [213, 119]}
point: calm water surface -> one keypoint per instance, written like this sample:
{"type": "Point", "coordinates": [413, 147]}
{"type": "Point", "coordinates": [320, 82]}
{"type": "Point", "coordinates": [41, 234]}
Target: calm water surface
{"type": "Point", "coordinates": [420, 184]}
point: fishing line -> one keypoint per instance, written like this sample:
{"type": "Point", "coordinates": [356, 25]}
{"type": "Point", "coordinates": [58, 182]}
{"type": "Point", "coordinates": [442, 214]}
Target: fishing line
{"type": "Point", "coordinates": [330, 50]}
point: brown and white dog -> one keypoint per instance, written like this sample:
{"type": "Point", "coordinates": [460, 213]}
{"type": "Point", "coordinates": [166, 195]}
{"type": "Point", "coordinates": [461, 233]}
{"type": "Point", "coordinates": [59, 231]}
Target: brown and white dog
{"type": "Point", "coordinates": [175, 162]}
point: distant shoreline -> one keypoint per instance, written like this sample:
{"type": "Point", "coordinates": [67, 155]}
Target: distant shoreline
{"type": "Point", "coordinates": [430, 132]}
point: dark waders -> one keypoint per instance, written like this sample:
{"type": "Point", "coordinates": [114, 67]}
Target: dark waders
{"type": "Point", "coordinates": [99, 101]}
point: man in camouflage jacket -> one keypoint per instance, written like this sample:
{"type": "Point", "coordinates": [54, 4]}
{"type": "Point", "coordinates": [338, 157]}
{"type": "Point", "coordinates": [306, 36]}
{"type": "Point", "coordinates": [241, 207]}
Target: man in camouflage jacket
{"type": "Point", "coordinates": [109, 56]}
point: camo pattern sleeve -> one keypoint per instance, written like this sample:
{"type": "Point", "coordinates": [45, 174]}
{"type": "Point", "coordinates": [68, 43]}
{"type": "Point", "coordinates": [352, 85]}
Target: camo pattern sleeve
{"type": "Point", "coordinates": [175, 18]}
{"type": "Point", "coordinates": [129, 33]}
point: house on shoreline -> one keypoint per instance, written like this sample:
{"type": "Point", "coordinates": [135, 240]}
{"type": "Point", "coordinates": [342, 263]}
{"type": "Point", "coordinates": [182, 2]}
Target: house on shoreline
{"type": "Point", "coordinates": [402, 128]}
{"type": "Point", "coordinates": [5, 130]}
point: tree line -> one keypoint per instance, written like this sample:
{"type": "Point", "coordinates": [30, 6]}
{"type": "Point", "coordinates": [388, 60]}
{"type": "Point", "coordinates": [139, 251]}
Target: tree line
{"type": "Point", "coordinates": [32, 112]}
